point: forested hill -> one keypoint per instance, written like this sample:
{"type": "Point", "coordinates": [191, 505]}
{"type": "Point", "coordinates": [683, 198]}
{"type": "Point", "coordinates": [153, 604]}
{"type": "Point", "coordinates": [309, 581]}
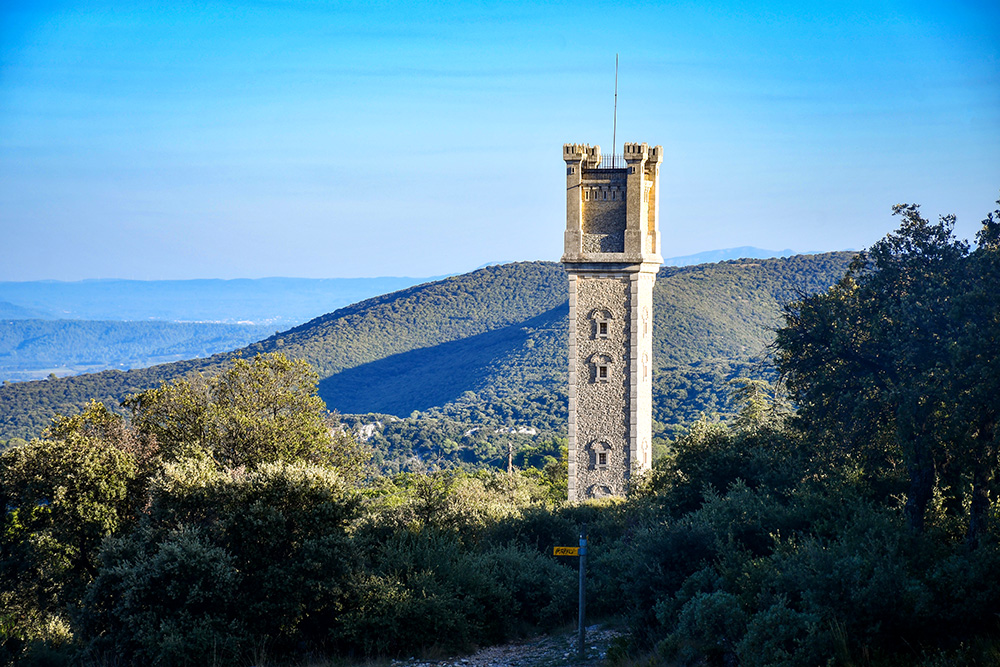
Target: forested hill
{"type": "Point", "coordinates": [713, 322]}
{"type": "Point", "coordinates": [472, 346]}
{"type": "Point", "coordinates": [423, 316]}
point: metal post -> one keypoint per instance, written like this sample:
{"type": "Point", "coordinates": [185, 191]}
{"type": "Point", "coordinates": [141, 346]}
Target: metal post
{"type": "Point", "coordinates": [614, 133]}
{"type": "Point", "coordinates": [583, 597]}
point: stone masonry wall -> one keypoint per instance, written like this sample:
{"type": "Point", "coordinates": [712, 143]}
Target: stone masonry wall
{"type": "Point", "coordinates": [642, 380]}
{"type": "Point", "coordinates": [602, 407]}
{"type": "Point", "coordinates": [604, 211]}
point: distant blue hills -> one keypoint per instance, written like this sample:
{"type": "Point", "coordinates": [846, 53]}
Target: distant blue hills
{"type": "Point", "coordinates": [279, 302]}
{"type": "Point", "coordinates": [743, 252]}
{"type": "Point", "coordinates": [68, 328]}
{"type": "Point", "coordinates": [12, 311]}
{"type": "Point", "coordinates": [282, 302]}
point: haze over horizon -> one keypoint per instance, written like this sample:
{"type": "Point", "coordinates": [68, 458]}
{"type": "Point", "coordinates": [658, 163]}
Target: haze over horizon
{"type": "Point", "coordinates": [301, 139]}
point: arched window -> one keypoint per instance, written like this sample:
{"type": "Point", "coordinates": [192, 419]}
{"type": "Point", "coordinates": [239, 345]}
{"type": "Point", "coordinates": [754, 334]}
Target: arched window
{"type": "Point", "coordinates": [601, 364]}
{"type": "Point", "coordinates": [602, 322]}
{"type": "Point", "coordinates": [600, 455]}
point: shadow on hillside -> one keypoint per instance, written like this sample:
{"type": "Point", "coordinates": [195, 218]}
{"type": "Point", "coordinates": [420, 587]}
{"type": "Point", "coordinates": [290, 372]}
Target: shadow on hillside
{"type": "Point", "coordinates": [432, 376]}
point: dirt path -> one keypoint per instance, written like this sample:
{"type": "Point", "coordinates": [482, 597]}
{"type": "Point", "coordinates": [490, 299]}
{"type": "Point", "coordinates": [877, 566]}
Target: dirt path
{"type": "Point", "coordinates": [543, 651]}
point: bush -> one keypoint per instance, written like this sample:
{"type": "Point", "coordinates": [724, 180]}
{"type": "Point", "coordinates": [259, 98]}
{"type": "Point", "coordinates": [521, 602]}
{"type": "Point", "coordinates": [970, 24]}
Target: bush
{"type": "Point", "coordinates": [542, 592]}
{"type": "Point", "coordinates": [714, 456]}
{"type": "Point", "coordinates": [536, 528]}
{"type": "Point", "coordinates": [966, 590]}
{"type": "Point", "coordinates": [169, 599]}
{"type": "Point", "coordinates": [424, 592]}
{"type": "Point", "coordinates": [262, 554]}
{"type": "Point", "coordinates": [782, 637]}
{"type": "Point", "coordinates": [416, 591]}
{"type": "Point", "coordinates": [464, 504]}
{"type": "Point", "coordinates": [709, 627]}
{"type": "Point", "coordinates": [60, 499]}
{"type": "Point", "coordinates": [632, 576]}
{"type": "Point", "coordinates": [862, 581]}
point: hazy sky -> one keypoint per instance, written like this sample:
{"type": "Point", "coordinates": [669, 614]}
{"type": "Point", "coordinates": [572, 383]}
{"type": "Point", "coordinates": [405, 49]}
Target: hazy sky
{"type": "Point", "coordinates": [324, 139]}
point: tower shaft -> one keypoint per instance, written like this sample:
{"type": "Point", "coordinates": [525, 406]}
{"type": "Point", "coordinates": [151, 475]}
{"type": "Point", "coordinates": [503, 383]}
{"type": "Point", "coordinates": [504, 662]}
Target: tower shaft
{"type": "Point", "coordinates": [612, 254]}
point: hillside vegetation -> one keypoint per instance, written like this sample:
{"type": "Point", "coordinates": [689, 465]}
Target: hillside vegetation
{"type": "Point", "coordinates": [489, 347]}
{"type": "Point", "coordinates": [844, 516]}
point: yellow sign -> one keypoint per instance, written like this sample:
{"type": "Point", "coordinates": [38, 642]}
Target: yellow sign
{"type": "Point", "coordinates": [565, 551]}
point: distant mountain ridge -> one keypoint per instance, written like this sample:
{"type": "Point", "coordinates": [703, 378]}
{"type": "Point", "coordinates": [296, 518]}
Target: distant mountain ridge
{"type": "Point", "coordinates": [87, 326]}
{"type": "Point", "coordinates": [491, 345]}
{"type": "Point", "coordinates": [742, 252]}
{"type": "Point", "coordinates": [163, 321]}
{"type": "Point", "coordinates": [272, 301]}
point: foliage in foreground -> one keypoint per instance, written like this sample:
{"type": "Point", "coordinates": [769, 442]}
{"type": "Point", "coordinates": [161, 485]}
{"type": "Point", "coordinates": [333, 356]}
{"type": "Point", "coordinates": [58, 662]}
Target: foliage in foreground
{"type": "Point", "coordinates": [225, 518]}
{"type": "Point", "coordinates": [779, 538]}
{"type": "Point", "coordinates": [750, 548]}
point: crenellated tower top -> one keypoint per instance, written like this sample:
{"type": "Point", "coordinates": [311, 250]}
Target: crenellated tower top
{"type": "Point", "coordinates": [612, 205]}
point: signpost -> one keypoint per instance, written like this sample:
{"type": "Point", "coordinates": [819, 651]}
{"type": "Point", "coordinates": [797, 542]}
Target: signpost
{"type": "Point", "coordinates": [580, 551]}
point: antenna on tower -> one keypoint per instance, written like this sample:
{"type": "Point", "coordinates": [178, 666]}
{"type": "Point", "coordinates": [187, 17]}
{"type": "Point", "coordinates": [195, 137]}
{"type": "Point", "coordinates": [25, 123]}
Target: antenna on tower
{"type": "Point", "coordinates": [614, 131]}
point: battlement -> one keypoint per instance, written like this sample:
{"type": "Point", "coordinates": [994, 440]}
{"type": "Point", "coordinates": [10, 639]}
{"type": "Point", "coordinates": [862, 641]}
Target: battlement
{"type": "Point", "coordinates": [636, 152]}
{"type": "Point", "coordinates": [581, 152]}
{"type": "Point", "coordinates": [612, 204]}
{"type": "Point", "coordinates": [592, 154]}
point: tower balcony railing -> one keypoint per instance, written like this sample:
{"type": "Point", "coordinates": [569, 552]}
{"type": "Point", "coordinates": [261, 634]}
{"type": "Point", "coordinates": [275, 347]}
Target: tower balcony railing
{"type": "Point", "coordinates": [612, 162]}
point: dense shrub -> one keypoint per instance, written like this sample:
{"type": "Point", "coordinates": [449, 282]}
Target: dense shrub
{"type": "Point", "coordinates": [779, 636]}
{"type": "Point", "coordinates": [709, 626]}
{"type": "Point", "coordinates": [537, 527]}
{"type": "Point", "coordinates": [223, 557]}
{"type": "Point", "coordinates": [60, 499]}
{"type": "Point", "coordinates": [633, 575]}
{"type": "Point", "coordinates": [424, 591]}
{"type": "Point", "coordinates": [166, 599]}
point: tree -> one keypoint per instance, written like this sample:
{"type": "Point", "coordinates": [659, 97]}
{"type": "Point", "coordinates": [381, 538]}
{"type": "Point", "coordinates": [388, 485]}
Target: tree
{"type": "Point", "coordinates": [890, 363]}
{"type": "Point", "coordinates": [758, 404]}
{"type": "Point", "coordinates": [175, 415]}
{"type": "Point", "coordinates": [258, 411]}
{"type": "Point", "coordinates": [267, 410]}
{"type": "Point", "coordinates": [60, 499]}
{"type": "Point", "coordinates": [975, 379]}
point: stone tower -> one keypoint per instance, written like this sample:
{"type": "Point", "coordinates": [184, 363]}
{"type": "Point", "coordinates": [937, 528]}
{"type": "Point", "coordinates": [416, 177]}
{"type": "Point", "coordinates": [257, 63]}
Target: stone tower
{"type": "Point", "coordinates": [612, 255]}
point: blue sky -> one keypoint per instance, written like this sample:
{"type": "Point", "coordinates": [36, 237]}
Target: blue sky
{"type": "Point", "coordinates": [327, 139]}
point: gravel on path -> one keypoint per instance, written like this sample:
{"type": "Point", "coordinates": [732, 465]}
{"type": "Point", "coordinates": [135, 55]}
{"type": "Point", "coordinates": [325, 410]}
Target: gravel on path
{"type": "Point", "coordinates": [542, 651]}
